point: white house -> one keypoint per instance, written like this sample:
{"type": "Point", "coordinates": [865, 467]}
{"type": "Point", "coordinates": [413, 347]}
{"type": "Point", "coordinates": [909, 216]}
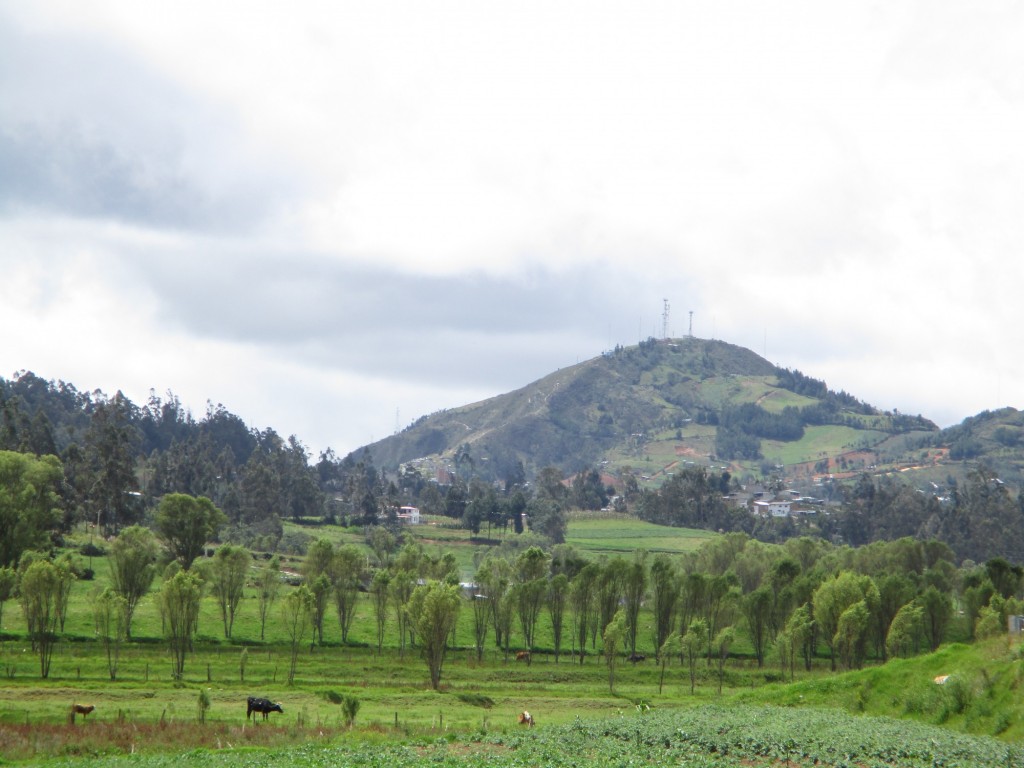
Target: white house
{"type": "Point", "coordinates": [409, 515]}
{"type": "Point", "coordinates": [774, 508]}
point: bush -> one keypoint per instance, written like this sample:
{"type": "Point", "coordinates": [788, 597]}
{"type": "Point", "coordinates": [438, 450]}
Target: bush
{"type": "Point", "coordinates": [89, 549]}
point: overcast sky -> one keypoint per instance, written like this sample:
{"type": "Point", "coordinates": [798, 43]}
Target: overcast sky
{"type": "Point", "coordinates": [337, 217]}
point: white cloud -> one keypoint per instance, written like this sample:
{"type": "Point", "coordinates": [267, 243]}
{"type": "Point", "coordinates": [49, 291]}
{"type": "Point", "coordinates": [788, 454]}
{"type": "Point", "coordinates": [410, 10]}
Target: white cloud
{"type": "Point", "coordinates": [347, 208]}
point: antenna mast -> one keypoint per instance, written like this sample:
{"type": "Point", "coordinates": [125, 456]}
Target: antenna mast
{"type": "Point", "coordinates": [691, 324]}
{"type": "Point", "coordinates": [664, 320]}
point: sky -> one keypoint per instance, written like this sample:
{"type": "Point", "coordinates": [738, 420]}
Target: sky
{"type": "Point", "coordinates": [336, 217]}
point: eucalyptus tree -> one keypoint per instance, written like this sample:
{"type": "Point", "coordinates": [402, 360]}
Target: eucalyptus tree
{"type": "Point", "coordinates": [112, 442]}
{"type": "Point", "coordinates": [133, 556]}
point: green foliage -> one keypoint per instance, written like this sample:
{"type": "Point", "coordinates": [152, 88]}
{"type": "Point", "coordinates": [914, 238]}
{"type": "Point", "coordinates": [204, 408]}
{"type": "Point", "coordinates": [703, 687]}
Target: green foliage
{"type": "Point", "coordinates": [29, 501]}
{"type": "Point", "coordinates": [185, 523]}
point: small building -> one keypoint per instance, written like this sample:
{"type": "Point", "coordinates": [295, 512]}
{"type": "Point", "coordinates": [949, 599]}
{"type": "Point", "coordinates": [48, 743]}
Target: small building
{"type": "Point", "coordinates": [409, 515]}
{"type": "Point", "coordinates": [774, 508]}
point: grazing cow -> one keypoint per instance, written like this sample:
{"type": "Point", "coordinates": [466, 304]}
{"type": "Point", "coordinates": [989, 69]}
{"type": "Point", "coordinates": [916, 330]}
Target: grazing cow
{"type": "Point", "coordinates": [525, 718]}
{"type": "Point", "coordinates": [81, 709]}
{"type": "Point", "coordinates": [263, 706]}
{"type": "Point", "coordinates": [523, 656]}
{"type": "Point", "coordinates": [635, 657]}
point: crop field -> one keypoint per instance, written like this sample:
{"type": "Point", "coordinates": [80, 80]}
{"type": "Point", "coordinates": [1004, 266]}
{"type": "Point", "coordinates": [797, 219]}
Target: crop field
{"type": "Point", "coordinates": [625, 535]}
{"type": "Point", "coordinates": [705, 737]}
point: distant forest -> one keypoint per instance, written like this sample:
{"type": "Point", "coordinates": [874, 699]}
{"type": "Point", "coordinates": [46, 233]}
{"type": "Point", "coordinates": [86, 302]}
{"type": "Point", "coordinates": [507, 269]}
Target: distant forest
{"type": "Point", "coordinates": [120, 458]}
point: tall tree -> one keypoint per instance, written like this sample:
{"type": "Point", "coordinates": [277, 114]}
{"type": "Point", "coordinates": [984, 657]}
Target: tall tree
{"type": "Point", "coordinates": [558, 594]}
{"type": "Point", "coordinates": [29, 502]}
{"type": "Point", "coordinates": [346, 571]}
{"type": "Point", "coordinates": [110, 614]}
{"type": "Point", "coordinates": [133, 556]}
{"type": "Point", "coordinates": [113, 444]}
{"type": "Point", "coordinates": [434, 608]}
{"type": "Point", "coordinates": [634, 590]}
{"type": "Point", "coordinates": [39, 589]}
{"type": "Point", "coordinates": [297, 617]}
{"type": "Point", "coordinates": [180, 597]}
{"type": "Point", "coordinates": [185, 523]}
{"type": "Point", "coordinates": [380, 591]}
{"type": "Point", "coordinates": [229, 569]}
{"type": "Point", "coordinates": [665, 592]}
{"type": "Point", "coordinates": [583, 601]}
{"type": "Point", "coordinates": [614, 637]}
{"type": "Point", "coordinates": [268, 585]}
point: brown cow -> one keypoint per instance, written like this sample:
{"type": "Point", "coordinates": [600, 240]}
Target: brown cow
{"type": "Point", "coordinates": [81, 709]}
{"type": "Point", "coordinates": [525, 718]}
{"type": "Point", "coordinates": [523, 656]}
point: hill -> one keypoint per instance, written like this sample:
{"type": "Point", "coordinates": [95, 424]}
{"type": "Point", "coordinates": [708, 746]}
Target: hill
{"type": "Point", "coordinates": [659, 405]}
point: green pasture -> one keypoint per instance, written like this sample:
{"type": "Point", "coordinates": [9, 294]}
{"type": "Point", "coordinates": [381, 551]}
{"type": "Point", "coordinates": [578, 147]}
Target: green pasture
{"type": "Point", "coordinates": [623, 536]}
{"type": "Point", "coordinates": [818, 442]}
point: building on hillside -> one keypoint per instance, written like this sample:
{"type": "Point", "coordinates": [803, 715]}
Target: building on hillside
{"type": "Point", "coordinates": [774, 508]}
{"type": "Point", "coordinates": [409, 515]}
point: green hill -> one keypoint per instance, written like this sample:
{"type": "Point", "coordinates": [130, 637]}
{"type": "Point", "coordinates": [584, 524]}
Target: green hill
{"type": "Point", "coordinates": [658, 405]}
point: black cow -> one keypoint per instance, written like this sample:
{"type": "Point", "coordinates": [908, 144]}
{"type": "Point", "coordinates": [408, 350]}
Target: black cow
{"type": "Point", "coordinates": [265, 706]}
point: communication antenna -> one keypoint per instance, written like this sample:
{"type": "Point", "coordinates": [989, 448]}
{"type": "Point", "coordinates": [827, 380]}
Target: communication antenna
{"type": "Point", "coordinates": [397, 422]}
{"type": "Point", "coordinates": [664, 320]}
{"type": "Point", "coordinates": [691, 324]}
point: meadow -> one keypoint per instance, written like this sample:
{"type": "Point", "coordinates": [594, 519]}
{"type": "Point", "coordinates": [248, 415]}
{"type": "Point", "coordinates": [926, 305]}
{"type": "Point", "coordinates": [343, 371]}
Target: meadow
{"type": "Point", "coordinates": [582, 719]}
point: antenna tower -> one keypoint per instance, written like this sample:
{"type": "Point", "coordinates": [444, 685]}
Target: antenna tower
{"type": "Point", "coordinates": [691, 324]}
{"type": "Point", "coordinates": [664, 320]}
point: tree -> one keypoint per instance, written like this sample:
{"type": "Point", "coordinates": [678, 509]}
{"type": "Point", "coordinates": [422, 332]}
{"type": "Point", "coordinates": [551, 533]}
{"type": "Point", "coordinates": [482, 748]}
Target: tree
{"type": "Point", "coordinates": [664, 652]}
{"type": "Point", "coordinates": [834, 596]}
{"type": "Point", "coordinates": [29, 500]}
{"type": "Point", "coordinates": [40, 591]}
{"type": "Point", "coordinates": [693, 644]}
{"type": "Point", "coordinates": [268, 585]}
{"type": "Point", "coordinates": [66, 577]}
{"type": "Point", "coordinates": [112, 441]}
{"type": "Point", "coordinates": [757, 607]}
{"type": "Point", "coordinates": [547, 517]}
{"type": "Point", "coordinates": [665, 592]}
{"type": "Point", "coordinates": [297, 615]}
{"type": "Point", "coordinates": [529, 590]}
{"type": "Point", "coordinates": [179, 602]}
{"type": "Point", "coordinates": [320, 587]}
{"type": "Point", "coordinates": [634, 584]}
{"type": "Point", "coordinates": [851, 635]}
{"type": "Point", "coordinates": [583, 601]}
{"type": "Point", "coordinates": [380, 591]}
{"type": "Point", "coordinates": [185, 523]}
{"type": "Point", "coordinates": [558, 593]}
{"type": "Point", "coordinates": [110, 613]}
{"type": "Point", "coordinates": [937, 610]}
{"type": "Point", "coordinates": [723, 642]}
{"type": "Point", "coordinates": [229, 570]}
{"type": "Point", "coordinates": [8, 582]}
{"type": "Point", "coordinates": [346, 573]}
{"type": "Point", "coordinates": [133, 556]}
{"type": "Point", "coordinates": [905, 631]}
{"type": "Point", "coordinates": [434, 609]}
{"type": "Point", "coordinates": [614, 636]}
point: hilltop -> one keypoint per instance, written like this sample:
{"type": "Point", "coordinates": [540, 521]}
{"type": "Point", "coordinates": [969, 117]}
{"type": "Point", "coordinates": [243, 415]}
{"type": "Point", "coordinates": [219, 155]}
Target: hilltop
{"type": "Point", "coordinates": [664, 404]}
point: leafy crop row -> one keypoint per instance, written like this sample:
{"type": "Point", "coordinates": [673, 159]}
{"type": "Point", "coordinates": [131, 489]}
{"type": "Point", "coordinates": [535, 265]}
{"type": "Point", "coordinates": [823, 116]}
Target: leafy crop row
{"type": "Point", "coordinates": [708, 737]}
